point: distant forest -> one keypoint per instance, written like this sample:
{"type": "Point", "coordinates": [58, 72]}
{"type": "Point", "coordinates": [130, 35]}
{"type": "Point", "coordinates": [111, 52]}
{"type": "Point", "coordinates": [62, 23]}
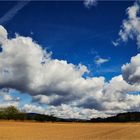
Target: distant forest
{"type": "Point", "coordinates": [12, 113]}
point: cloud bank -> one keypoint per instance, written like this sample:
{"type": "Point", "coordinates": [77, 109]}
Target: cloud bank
{"type": "Point", "coordinates": [62, 86]}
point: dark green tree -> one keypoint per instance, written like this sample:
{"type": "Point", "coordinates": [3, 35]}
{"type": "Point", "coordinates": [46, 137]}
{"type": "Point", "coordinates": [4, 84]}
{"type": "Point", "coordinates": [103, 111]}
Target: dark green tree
{"type": "Point", "coordinates": [11, 112]}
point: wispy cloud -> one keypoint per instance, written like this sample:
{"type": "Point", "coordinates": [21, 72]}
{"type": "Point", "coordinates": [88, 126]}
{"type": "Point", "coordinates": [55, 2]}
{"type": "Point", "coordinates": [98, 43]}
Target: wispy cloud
{"type": "Point", "coordinates": [13, 11]}
{"type": "Point", "coordinates": [90, 3]}
{"type": "Point", "coordinates": [115, 43]}
{"type": "Point", "coordinates": [98, 60]}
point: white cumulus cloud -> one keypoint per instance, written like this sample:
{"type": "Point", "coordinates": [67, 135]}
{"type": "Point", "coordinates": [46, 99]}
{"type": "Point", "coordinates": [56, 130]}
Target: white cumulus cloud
{"type": "Point", "coordinates": [131, 26]}
{"type": "Point", "coordinates": [26, 67]}
{"type": "Point", "coordinates": [131, 71]}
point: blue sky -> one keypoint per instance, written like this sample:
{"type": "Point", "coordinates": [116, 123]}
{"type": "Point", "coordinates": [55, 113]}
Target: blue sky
{"type": "Point", "coordinates": [74, 33]}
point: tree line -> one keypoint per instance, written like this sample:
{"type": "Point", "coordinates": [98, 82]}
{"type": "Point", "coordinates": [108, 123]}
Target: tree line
{"type": "Point", "coordinates": [12, 113]}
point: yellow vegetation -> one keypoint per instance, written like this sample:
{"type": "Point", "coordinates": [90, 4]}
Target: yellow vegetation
{"type": "Point", "coordinates": [10, 130]}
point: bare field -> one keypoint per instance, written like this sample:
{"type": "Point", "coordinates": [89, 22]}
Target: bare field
{"type": "Point", "coordinates": [68, 131]}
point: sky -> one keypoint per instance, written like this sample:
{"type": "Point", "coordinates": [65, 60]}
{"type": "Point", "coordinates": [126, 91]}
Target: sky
{"type": "Point", "coordinates": [77, 59]}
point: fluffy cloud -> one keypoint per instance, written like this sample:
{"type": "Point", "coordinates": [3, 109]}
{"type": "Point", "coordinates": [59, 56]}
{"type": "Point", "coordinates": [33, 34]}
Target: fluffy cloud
{"type": "Point", "coordinates": [131, 71]}
{"type": "Point", "coordinates": [6, 99]}
{"type": "Point", "coordinates": [65, 111]}
{"type": "Point", "coordinates": [130, 27]}
{"type": "Point", "coordinates": [26, 67]}
{"type": "Point", "coordinates": [3, 34]}
{"type": "Point", "coordinates": [113, 97]}
{"type": "Point", "coordinates": [116, 95]}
